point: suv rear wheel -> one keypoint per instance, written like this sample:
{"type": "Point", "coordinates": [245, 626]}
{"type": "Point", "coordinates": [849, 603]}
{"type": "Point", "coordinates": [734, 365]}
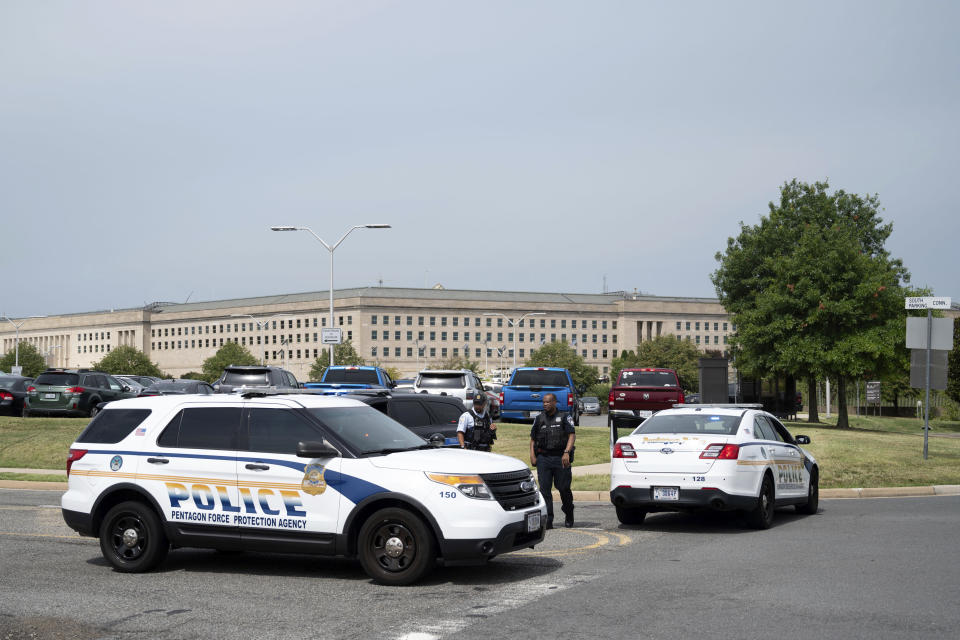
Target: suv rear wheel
{"type": "Point", "coordinates": [132, 538]}
{"type": "Point", "coordinates": [395, 547]}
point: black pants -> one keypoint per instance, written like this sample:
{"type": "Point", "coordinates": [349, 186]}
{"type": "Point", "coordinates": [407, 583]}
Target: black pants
{"type": "Point", "coordinates": [550, 471]}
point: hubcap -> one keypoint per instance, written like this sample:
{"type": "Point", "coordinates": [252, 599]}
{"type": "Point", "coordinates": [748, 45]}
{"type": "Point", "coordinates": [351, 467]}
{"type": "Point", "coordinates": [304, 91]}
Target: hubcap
{"type": "Point", "coordinates": [130, 538]}
{"type": "Point", "coordinates": [394, 547]}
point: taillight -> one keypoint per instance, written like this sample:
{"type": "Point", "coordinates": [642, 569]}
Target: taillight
{"type": "Point", "coordinates": [74, 390]}
{"type": "Point", "coordinates": [682, 399]}
{"type": "Point", "coordinates": [624, 450]}
{"type": "Point", "coordinates": [569, 400]}
{"type": "Point", "coordinates": [720, 451]}
{"type": "Point", "coordinates": [32, 390]}
{"type": "Point", "coordinates": [5, 396]}
{"type": "Point", "coordinates": [610, 398]}
{"type": "Point", "coordinates": [501, 397]}
{"type": "Point", "coordinates": [73, 456]}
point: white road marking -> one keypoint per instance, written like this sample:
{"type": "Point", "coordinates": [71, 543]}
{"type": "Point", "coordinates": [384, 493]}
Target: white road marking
{"type": "Point", "coordinates": [495, 602]}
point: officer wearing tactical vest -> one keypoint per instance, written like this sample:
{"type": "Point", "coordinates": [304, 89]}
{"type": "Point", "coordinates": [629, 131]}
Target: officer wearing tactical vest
{"type": "Point", "coordinates": [551, 452]}
{"type": "Point", "coordinates": [475, 429]}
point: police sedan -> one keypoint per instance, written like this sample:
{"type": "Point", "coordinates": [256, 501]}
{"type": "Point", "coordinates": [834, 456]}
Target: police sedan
{"type": "Point", "coordinates": [715, 457]}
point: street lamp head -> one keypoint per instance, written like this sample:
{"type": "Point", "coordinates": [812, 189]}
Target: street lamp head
{"type": "Point", "coordinates": [377, 226]}
{"type": "Point", "coordinates": [284, 229]}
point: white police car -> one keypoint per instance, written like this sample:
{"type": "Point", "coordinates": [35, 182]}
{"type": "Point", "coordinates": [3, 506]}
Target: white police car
{"type": "Point", "coordinates": [291, 473]}
{"type": "Point", "coordinates": [720, 457]}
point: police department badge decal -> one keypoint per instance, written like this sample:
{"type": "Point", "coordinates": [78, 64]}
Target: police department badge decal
{"type": "Point", "coordinates": [115, 463]}
{"type": "Point", "coordinates": [313, 482]}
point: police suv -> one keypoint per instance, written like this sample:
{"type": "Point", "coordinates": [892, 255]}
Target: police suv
{"type": "Point", "coordinates": [291, 473]}
{"type": "Point", "coordinates": [719, 457]}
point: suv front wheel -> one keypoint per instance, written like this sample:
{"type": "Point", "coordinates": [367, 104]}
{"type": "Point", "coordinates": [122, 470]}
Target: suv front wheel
{"type": "Point", "coordinates": [132, 538]}
{"type": "Point", "coordinates": [395, 547]}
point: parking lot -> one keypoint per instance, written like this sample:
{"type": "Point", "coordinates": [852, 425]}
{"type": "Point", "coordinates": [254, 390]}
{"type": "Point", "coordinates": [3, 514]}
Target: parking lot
{"type": "Point", "coordinates": [860, 568]}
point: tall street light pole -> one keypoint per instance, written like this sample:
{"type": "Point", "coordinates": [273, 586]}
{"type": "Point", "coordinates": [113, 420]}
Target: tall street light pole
{"type": "Point", "coordinates": [16, 340]}
{"type": "Point", "coordinates": [260, 325]}
{"type": "Point", "coordinates": [331, 249]}
{"type": "Point", "coordinates": [513, 325]}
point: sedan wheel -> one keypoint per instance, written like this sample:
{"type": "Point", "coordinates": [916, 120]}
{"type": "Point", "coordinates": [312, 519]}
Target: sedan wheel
{"type": "Point", "coordinates": [761, 517]}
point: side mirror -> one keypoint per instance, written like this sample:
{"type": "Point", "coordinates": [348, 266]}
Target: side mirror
{"type": "Point", "coordinates": [315, 449]}
{"type": "Point", "coordinates": [125, 388]}
{"type": "Point", "coordinates": [802, 439]}
{"type": "Point", "coordinates": [437, 439]}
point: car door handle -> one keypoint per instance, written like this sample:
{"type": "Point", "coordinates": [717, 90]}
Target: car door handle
{"type": "Point", "coordinates": [258, 467]}
{"type": "Point", "coordinates": [158, 460]}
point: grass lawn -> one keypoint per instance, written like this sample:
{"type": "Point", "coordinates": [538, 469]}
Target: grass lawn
{"type": "Point", "coordinates": [874, 452]}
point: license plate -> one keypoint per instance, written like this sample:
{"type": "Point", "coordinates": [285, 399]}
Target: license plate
{"type": "Point", "coordinates": [644, 414]}
{"type": "Point", "coordinates": [533, 521]}
{"type": "Point", "coordinates": [666, 493]}
{"type": "Point", "coordinates": [49, 396]}
{"type": "Point", "coordinates": [533, 414]}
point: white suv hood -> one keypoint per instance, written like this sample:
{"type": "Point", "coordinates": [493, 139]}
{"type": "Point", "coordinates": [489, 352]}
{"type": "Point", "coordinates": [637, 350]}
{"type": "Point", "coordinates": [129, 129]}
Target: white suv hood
{"type": "Point", "coordinates": [448, 461]}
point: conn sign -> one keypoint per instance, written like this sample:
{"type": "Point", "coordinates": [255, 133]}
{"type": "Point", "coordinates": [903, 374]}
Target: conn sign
{"type": "Point", "coordinates": [928, 302]}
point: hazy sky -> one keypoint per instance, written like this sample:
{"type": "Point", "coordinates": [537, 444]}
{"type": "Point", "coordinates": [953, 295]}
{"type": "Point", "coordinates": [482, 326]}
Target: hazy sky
{"type": "Point", "coordinates": [147, 147]}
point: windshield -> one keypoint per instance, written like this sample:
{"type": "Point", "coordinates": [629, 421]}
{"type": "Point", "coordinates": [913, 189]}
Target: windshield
{"type": "Point", "coordinates": [58, 379]}
{"type": "Point", "coordinates": [351, 376]}
{"type": "Point", "coordinates": [245, 378]}
{"type": "Point", "coordinates": [536, 378]}
{"type": "Point", "coordinates": [690, 423]}
{"type": "Point", "coordinates": [441, 381]}
{"type": "Point", "coordinates": [172, 385]}
{"type": "Point", "coordinates": [647, 379]}
{"type": "Point", "coordinates": [367, 430]}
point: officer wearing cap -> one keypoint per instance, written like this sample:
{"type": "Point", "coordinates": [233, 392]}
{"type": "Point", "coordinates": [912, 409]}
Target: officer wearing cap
{"type": "Point", "coordinates": [551, 452]}
{"type": "Point", "coordinates": [475, 429]}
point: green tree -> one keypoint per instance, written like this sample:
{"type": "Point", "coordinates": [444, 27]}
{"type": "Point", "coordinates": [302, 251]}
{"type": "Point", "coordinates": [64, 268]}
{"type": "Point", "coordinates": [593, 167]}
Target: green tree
{"type": "Point", "coordinates": [812, 291]}
{"type": "Point", "coordinates": [560, 354]}
{"type": "Point", "coordinates": [129, 360]}
{"type": "Point", "coordinates": [953, 364]}
{"type": "Point", "coordinates": [30, 359]}
{"type": "Point", "coordinates": [231, 353]}
{"type": "Point", "coordinates": [461, 362]}
{"type": "Point", "coordinates": [393, 372]}
{"type": "Point", "coordinates": [343, 354]}
{"type": "Point", "coordinates": [193, 375]}
{"type": "Point", "coordinates": [665, 352]}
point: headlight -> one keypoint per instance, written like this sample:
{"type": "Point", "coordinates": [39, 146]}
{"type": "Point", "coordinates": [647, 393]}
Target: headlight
{"type": "Point", "coordinates": [470, 486]}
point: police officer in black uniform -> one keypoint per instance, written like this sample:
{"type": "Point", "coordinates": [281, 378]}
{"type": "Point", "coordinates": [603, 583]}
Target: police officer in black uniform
{"type": "Point", "coordinates": [476, 430]}
{"type": "Point", "coordinates": [551, 452]}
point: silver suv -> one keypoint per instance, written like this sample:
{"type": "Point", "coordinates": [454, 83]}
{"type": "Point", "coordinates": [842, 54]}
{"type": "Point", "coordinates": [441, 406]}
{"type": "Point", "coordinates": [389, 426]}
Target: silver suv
{"type": "Point", "coordinates": [459, 383]}
{"type": "Point", "coordinates": [237, 378]}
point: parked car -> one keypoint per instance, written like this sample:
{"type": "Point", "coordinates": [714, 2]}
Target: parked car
{"type": "Point", "coordinates": [177, 387]}
{"type": "Point", "coordinates": [143, 381]}
{"type": "Point", "coordinates": [237, 377]}
{"type": "Point", "coordinates": [522, 397]}
{"type": "Point", "coordinates": [460, 383]}
{"type": "Point", "coordinates": [590, 405]}
{"type": "Point", "coordinates": [427, 415]}
{"type": "Point", "coordinates": [339, 380]}
{"type": "Point", "coordinates": [72, 392]}
{"type": "Point", "coordinates": [13, 392]}
{"type": "Point", "coordinates": [135, 387]}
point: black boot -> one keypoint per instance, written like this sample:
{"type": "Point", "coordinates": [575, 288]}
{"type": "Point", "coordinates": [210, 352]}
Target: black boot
{"type": "Point", "coordinates": [549, 522]}
{"type": "Point", "coordinates": [568, 521]}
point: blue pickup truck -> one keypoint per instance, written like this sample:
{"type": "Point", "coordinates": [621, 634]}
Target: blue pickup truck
{"type": "Point", "coordinates": [340, 379]}
{"type": "Point", "coordinates": [522, 397]}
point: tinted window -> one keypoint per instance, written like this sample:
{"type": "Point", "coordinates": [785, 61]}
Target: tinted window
{"type": "Point", "coordinates": [690, 423]}
{"type": "Point", "coordinates": [278, 430]}
{"type": "Point", "coordinates": [441, 381]}
{"type": "Point", "coordinates": [58, 379]}
{"type": "Point", "coordinates": [351, 376]}
{"type": "Point", "coordinates": [114, 384]}
{"type": "Point", "coordinates": [367, 430]}
{"type": "Point", "coordinates": [447, 413]}
{"type": "Point", "coordinates": [110, 426]}
{"type": "Point", "coordinates": [14, 384]}
{"type": "Point", "coordinates": [762, 429]}
{"type": "Point", "coordinates": [409, 413]}
{"type": "Point", "coordinates": [535, 378]}
{"type": "Point", "coordinates": [647, 379]}
{"type": "Point", "coordinates": [203, 428]}
{"type": "Point", "coordinates": [781, 432]}
{"type": "Point", "coordinates": [245, 378]}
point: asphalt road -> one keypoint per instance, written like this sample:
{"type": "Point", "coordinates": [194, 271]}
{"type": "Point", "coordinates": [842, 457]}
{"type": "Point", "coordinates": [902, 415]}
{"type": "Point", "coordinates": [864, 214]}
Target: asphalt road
{"type": "Point", "coordinates": [872, 568]}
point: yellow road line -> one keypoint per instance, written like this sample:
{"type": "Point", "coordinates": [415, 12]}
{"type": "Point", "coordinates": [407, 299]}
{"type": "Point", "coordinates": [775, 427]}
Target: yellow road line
{"type": "Point", "coordinates": [601, 540]}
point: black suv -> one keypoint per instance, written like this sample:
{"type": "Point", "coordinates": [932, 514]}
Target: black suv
{"type": "Point", "coordinates": [424, 414]}
{"type": "Point", "coordinates": [236, 377]}
{"type": "Point", "coordinates": [72, 392]}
